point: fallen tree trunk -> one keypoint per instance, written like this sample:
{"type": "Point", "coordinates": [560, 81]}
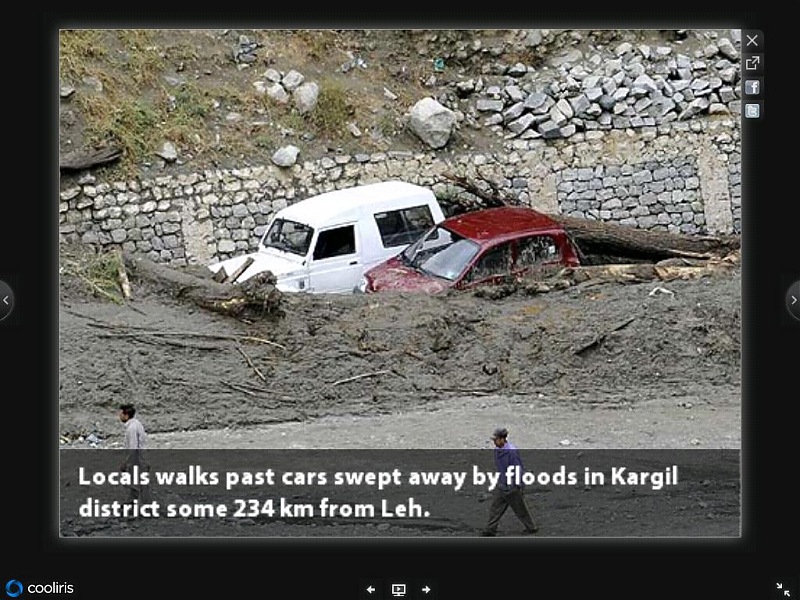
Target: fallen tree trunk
{"type": "Point", "coordinates": [602, 238]}
{"type": "Point", "coordinates": [257, 296]}
{"type": "Point", "coordinates": [600, 242]}
{"type": "Point", "coordinates": [85, 159]}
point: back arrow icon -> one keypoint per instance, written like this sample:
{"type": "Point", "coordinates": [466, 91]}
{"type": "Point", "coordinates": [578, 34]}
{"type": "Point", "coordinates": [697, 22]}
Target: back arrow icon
{"type": "Point", "coordinates": [5, 301]}
{"type": "Point", "coordinates": [370, 589]}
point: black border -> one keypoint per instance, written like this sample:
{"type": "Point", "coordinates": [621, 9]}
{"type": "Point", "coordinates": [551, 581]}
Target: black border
{"type": "Point", "coordinates": [771, 214]}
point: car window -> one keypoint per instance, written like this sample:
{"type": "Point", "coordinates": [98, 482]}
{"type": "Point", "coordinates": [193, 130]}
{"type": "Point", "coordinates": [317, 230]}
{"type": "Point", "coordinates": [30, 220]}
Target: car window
{"type": "Point", "coordinates": [335, 242]}
{"type": "Point", "coordinates": [447, 259]}
{"type": "Point", "coordinates": [536, 250]}
{"type": "Point", "coordinates": [496, 261]}
{"type": "Point", "coordinates": [288, 236]}
{"type": "Point", "coordinates": [401, 227]}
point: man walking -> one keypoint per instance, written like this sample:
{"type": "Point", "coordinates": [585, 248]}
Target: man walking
{"type": "Point", "coordinates": [134, 442]}
{"type": "Point", "coordinates": [508, 493]}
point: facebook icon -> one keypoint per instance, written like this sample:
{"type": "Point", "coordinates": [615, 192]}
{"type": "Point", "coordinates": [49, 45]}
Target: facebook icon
{"type": "Point", "coordinates": [752, 87]}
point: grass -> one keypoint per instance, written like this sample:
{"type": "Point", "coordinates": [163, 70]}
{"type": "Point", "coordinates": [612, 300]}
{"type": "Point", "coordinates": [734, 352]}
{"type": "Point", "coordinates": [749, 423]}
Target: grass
{"type": "Point", "coordinates": [138, 109]}
{"type": "Point", "coordinates": [145, 62]}
{"type": "Point", "coordinates": [77, 50]}
{"type": "Point", "coordinates": [319, 44]}
{"type": "Point", "coordinates": [99, 273]}
{"type": "Point", "coordinates": [333, 109]}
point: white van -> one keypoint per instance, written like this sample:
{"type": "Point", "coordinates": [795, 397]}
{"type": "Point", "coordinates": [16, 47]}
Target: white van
{"type": "Point", "coordinates": [325, 243]}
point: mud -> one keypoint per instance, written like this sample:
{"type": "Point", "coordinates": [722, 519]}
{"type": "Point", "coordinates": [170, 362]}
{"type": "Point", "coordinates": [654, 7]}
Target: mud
{"type": "Point", "coordinates": [623, 366]}
{"type": "Point", "coordinates": [614, 366]}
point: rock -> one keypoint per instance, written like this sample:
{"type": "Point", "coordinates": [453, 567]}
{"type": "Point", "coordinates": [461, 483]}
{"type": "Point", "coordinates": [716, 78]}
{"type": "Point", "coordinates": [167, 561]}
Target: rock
{"type": "Point", "coordinates": [272, 75]}
{"type": "Point", "coordinates": [432, 122]}
{"type": "Point", "coordinates": [286, 156]}
{"type": "Point", "coordinates": [277, 93]}
{"type": "Point", "coordinates": [168, 152]}
{"type": "Point", "coordinates": [292, 80]}
{"type": "Point", "coordinates": [306, 96]}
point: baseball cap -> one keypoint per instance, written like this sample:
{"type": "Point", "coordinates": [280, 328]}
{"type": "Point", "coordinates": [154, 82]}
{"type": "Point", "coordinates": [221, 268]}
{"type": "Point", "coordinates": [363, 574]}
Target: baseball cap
{"type": "Point", "coordinates": [500, 432]}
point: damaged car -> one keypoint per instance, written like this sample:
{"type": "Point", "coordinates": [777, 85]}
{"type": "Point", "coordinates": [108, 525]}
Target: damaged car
{"type": "Point", "coordinates": [478, 248]}
{"type": "Point", "coordinates": [325, 243]}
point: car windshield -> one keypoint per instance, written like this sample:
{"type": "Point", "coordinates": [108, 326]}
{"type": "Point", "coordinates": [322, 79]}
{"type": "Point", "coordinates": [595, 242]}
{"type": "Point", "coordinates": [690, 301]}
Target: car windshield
{"type": "Point", "coordinates": [440, 253]}
{"type": "Point", "coordinates": [288, 236]}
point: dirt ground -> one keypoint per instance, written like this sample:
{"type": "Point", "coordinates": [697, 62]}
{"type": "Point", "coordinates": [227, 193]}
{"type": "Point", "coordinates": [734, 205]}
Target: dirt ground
{"type": "Point", "coordinates": [614, 366]}
{"type": "Point", "coordinates": [412, 371]}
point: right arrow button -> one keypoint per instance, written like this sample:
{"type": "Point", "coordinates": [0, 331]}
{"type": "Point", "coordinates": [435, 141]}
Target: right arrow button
{"type": "Point", "coordinates": [793, 300]}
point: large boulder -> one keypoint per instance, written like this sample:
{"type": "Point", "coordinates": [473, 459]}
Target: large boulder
{"type": "Point", "coordinates": [432, 122]}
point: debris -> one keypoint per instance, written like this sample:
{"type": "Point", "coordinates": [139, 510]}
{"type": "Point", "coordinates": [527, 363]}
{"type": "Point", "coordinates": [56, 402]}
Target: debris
{"type": "Point", "coordinates": [600, 338]}
{"type": "Point", "coordinates": [245, 338]}
{"type": "Point", "coordinates": [660, 290]}
{"type": "Point", "coordinates": [122, 276]}
{"type": "Point", "coordinates": [242, 268]}
{"type": "Point", "coordinates": [355, 377]}
{"type": "Point", "coordinates": [257, 294]}
{"type": "Point", "coordinates": [85, 159]}
{"type": "Point", "coordinates": [250, 363]}
{"type": "Point", "coordinates": [355, 61]}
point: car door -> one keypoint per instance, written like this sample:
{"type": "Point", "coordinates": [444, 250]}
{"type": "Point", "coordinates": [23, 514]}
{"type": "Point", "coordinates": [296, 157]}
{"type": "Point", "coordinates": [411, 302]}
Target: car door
{"type": "Point", "coordinates": [335, 265]}
{"type": "Point", "coordinates": [493, 265]}
{"type": "Point", "coordinates": [537, 257]}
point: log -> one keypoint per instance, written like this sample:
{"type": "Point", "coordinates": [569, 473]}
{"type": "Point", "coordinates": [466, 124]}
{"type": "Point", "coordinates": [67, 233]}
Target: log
{"type": "Point", "coordinates": [85, 159]}
{"type": "Point", "coordinates": [600, 242]}
{"type": "Point", "coordinates": [122, 277]}
{"type": "Point", "coordinates": [255, 297]}
{"type": "Point", "coordinates": [640, 272]}
{"type": "Point", "coordinates": [220, 276]}
{"type": "Point", "coordinates": [602, 238]}
{"type": "Point", "coordinates": [242, 268]}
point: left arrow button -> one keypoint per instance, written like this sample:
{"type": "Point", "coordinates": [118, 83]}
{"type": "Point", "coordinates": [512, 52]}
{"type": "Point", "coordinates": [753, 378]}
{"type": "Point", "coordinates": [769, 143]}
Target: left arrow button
{"type": "Point", "coordinates": [6, 300]}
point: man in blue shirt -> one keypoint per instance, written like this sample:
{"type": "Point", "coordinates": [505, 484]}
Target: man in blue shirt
{"type": "Point", "coordinates": [508, 493]}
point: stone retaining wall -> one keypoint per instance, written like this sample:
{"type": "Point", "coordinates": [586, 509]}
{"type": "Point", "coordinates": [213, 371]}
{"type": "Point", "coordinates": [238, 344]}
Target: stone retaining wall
{"type": "Point", "coordinates": [682, 176]}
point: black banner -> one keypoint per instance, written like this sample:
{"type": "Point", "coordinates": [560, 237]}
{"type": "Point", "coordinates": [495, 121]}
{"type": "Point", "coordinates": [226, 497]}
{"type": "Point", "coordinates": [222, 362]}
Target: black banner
{"type": "Point", "coordinates": [397, 493]}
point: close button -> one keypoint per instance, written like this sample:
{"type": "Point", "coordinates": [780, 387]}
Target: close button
{"type": "Point", "coordinates": [6, 300]}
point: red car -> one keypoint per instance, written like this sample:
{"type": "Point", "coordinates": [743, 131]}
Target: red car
{"type": "Point", "coordinates": [474, 249]}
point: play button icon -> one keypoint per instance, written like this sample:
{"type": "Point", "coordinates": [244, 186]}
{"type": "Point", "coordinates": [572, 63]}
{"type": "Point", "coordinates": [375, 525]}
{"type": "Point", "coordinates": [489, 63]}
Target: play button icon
{"type": "Point", "coordinates": [6, 300]}
{"type": "Point", "coordinates": [793, 300]}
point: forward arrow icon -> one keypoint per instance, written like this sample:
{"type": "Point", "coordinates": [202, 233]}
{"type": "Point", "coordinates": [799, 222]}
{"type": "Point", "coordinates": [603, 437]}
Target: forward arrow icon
{"type": "Point", "coordinates": [794, 301]}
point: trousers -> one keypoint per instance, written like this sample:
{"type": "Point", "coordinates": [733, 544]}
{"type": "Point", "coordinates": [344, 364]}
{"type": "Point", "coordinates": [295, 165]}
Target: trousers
{"type": "Point", "coordinates": [514, 498]}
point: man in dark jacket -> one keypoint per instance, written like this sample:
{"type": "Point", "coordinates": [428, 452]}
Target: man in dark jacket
{"type": "Point", "coordinates": [507, 493]}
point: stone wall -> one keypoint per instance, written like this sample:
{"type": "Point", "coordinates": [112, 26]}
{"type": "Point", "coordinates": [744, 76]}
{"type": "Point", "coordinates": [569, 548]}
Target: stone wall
{"type": "Point", "coordinates": [682, 176]}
